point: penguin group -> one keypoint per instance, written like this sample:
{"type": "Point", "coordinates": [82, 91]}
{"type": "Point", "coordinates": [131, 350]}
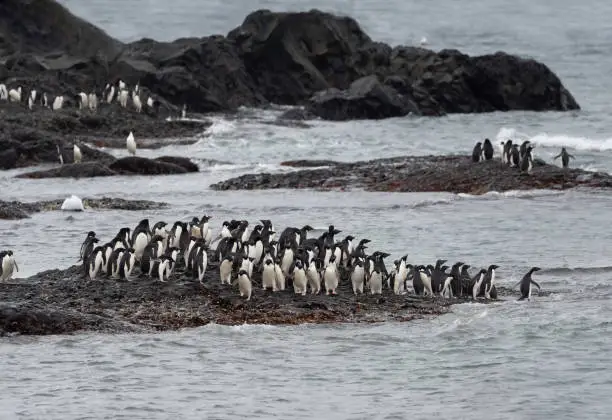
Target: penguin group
{"type": "Point", "coordinates": [8, 265]}
{"type": "Point", "coordinates": [77, 155]}
{"type": "Point", "coordinates": [119, 93]}
{"type": "Point", "coordinates": [511, 154]}
{"type": "Point", "coordinates": [250, 256]}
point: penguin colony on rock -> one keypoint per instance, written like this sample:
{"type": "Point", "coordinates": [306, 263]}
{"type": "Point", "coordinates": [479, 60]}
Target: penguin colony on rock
{"type": "Point", "coordinates": [248, 256]}
{"type": "Point", "coordinates": [513, 155]}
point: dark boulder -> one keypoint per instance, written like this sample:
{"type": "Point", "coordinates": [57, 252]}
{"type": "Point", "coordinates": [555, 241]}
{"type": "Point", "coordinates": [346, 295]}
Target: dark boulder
{"type": "Point", "coordinates": [137, 165]}
{"type": "Point", "coordinates": [180, 161]}
{"type": "Point", "coordinates": [366, 98]}
{"type": "Point", "coordinates": [75, 170]}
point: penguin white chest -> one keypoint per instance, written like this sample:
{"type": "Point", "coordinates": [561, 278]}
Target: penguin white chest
{"type": "Point", "coordinates": [268, 277]}
{"type": "Point", "coordinates": [280, 277]}
{"type": "Point", "coordinates": [330, 277]}
{"type": "Point", "coordinates": [314, 278]}
{"type": "Point", "coordinates": [299, 281]}
{"type": "Point", "coordinates": [244, 286]}
{"type": "Point", "coordinates": [225, 270]}
{"type": "Point", "coordinates": [357, 279]}
{"type": "Point", "coordinates": [376, 283]}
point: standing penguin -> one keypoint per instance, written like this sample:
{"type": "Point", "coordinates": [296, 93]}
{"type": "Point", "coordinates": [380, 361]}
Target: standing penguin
{"type": "Point", "coordinates": [314, 278]}
{"type": "Point", "coordinates": [478, 283]}
{"type": "Point", "coordinates": [76, 152]}
{"type": "Point", "coordinates": [506, 154]}
{"type": "Point", "coordinates": [526, 283]}
{"type": "Point", "coordinates": [565, 157]}
{"type": "Point", "coordinates": [358, 276]}
{"type": "Point", "coordinates": [527, 161]}
{"type": "Point", "coordinates": [477, 152]}
{"type": "Point", "coordinates": [331, 276]}
{"type": "Point", "coordinates": [130, 144]}
{"type": "Point", "coordinates": [88, 245]}
{"type": "Point", "coordinates": [127, 263]}
{"type": "Point", "coordinates": [225, 269]}
{"type": "Point", "coordinates": [515, 156]}
{"type": "Point", "coordinates": [7, 264]}
{"type": "Point", "coordinates": [244, 284]}
{"type": "Point", "coordinates": [300, 280]}
{"type": "Point", "coordinates": [523, 148]}
{"type": "Point", "coordinates": [268, 276]}
{"type": "Point", "coordinates": [487, 149]}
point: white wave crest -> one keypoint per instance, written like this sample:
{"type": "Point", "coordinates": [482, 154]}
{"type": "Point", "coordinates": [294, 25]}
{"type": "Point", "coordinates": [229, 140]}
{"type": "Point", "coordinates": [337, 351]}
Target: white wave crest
{"type": "Point", "coordinates": [555, 140]}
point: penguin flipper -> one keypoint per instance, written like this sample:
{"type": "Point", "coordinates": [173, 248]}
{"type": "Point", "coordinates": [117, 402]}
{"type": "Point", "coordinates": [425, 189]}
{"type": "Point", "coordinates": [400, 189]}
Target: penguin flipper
{"type": "Point", "coordinates": [536, 284]}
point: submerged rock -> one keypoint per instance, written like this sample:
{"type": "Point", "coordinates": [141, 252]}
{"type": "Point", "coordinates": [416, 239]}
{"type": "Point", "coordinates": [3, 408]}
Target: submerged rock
{"type": "Point", "coordinates": [12, 210]}
{"type": "Point", "coordinates": [272, 57]}
{"type": "Point", "coordinates": [455, 174]}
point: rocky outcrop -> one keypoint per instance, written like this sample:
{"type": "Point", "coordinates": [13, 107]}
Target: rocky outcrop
{"type": "Point", "coordinates": [62, 301]}
{"type": "Point", "coordinates": [455, 174]}
{"type": "Point", "coordinates": [130, 165]}
{"type": "Point", "coordinates": [283, 58]}
{"type": "Point", "coordinates": [13, 210]}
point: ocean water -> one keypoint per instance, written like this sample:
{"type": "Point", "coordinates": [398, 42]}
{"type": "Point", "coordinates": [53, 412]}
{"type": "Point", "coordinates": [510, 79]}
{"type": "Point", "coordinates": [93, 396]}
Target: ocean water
{"type": "Point", "coordinates": [543, 359]}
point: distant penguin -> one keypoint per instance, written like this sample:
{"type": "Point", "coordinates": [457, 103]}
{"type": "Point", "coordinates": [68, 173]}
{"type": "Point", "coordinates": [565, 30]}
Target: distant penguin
{"type": "Point", "coordinates": [95, 262]}
{"type": "Point", "coordinates": [92, 102]}
{"type": "Point", "coordinates": [487, 149]}
{"type": "Point", "coordinates": [300, 279]}
{"type": "Point", "coordinates": [127, 263]}
{"type": "Point", "coordinates": [14, 95]}
{"type": "Point", "coordinates": [515, 156]}
{"type": "Point", "coordinates": [225, 269]}
{"type": "Point", "coordinates": [137, 102]}
{"type": "Point", "coordinates": [7, 265]}
{"type": "Point", "coordinates": [164, 268]}
{"type": "Point", "coordinates": [130, 143]}
{"type": "Point", "coordinates": [121, 84]}
{"type": "Point", "coordinates": [314, 277]}
{"type": "Point", "coordinates": [83, 100]}
{"type": "Point", "coordinates": [358, 276]}
{"type": "Point", "coordinates": [88, 245]}
{"type": "Point", "coordinates": [489, 282]}
{"type": "Point", "coordinates": [478, 284]}
{"type": "Point", "coordinates": [268, 276]}
{"type": "Point", "coordinates": [3, 92]}
{"type": "Point", "coordinates": [506, 152]}
{"type": "Point", "coordinates": [123, 97]}
{"type": "Point", "coordinates": [244, 284]}
{"type": "Point", "coordinates": [110, 93]}
{"type": "Point", "coordinates": [425, 278]}
{"type": "Point", "coordinates": [526, 284]}
{"type": "Point", "coordinates": [565, 157]}
{"type": "Point", "coordinates": [527, 161]}
{"type": "Point", "coordinates": [280, 277]}
{"type": "Point", "coordinates": [477, 152]}
{"type": "Point", "coordinates": [523, 148]}
{"type": "Point", "coordinates": [58, 103]}
{"type": "Point", "coordinates": [31, 99]}
{"type": "Point", "coordinates": [331, 277]}
{"type": "Point", "coordinates": [201, 263]}
{"type": "Point", "coordinates": [400, 276]}
{"type": "Point", "coordinates": [184, 112]}
{"type": "Point", "coordinates": [76, 152]}
{"type": "Point", "coordinates": [376, 282]}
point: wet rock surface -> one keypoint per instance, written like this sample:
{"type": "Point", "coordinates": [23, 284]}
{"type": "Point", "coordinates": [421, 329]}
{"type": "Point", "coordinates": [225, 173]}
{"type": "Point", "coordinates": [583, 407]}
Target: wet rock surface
{"type": "Point", "coordinates": [281, 58]}
{"type": "Point", "coordinates": [33, 137]}
{"type": "Point", "coordinates": [62, 301]}
{"type": "Point", "coordinates": [455, 174]}
{"type": "Point", "coordinates": [13, 210]}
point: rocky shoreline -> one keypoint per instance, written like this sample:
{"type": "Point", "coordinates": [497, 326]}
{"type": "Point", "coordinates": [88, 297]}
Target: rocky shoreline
{"type": "Point", "coordinates": [323, 62]}
{"type": "Point", "coordinates": [64, 302]}
{"type": "Point", "coordinates": [14, 210]}
{"type": "Point", "coordinates": [454, 174]}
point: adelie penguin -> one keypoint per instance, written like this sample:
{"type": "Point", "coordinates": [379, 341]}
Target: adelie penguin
{"type": "Point", "coordinates": [477, 152]}
{"type": "Point", "coordinates": [526, 284]}
{"type": "Point", "coordinates": [487, 149]}
{"type": "Point", "coordinates": [565, 157]}
{"type": "Point", "coordinates": [244, 284]}
{"type": "Point", "coordinates": [506, 153]}
{"type": "Point", "coordinates": [7, 264]}
{"type": "Point", "coordinates": [527, 161]}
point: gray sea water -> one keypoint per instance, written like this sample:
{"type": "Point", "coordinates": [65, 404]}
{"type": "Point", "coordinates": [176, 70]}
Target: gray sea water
{"type": "Point", "coordinates": [548, 358]}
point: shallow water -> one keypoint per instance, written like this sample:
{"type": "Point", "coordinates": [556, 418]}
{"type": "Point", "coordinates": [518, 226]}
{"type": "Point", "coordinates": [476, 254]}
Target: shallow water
{"type": "Point", "coordinates": [534, 360]}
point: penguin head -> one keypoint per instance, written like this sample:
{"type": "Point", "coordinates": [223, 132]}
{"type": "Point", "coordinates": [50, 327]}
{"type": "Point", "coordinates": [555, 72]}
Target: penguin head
{"type": "Point", "coordinates": [205, 219]}
{"type": "Point", "coordinates": [269, 262]}
{"type": "Point", "coordinates": [195, 221]}
{"type": "Point", "coordinates": [487, 142]}
{"type": "Point", "coordinates": [444, 268]}
{"type": "Point", "coordinates": [493, 267]}
{"type": "Point", "coordinates": [478, 144]}
{"type": "Point", "coordinates": [535, 269]}
{"type": "Point", "coordinates": [509, 142]}
{"type": "Point", "coordinates": [243, 273]}
{"type": "Point", "coordinates": [457, 264]}
{"type": "Point", "coordinates": [349, 238]}
{"type": "Point", "coordinates": [94, 240]}
{"type": "Point", "coordinates": [131, 250]}
{"type": "Point", "coordinates": [359, 262]}
{"type": "Point", "coordinates": [307, 228]}
{"type": "Point", "coordinates": [298, 264]}
{"type": "Point", "coordinates": [465, 267]}
{"type": "Point", "coordinates": [91, 234]}
{"type": "Point", "coordinates": [332, 259]}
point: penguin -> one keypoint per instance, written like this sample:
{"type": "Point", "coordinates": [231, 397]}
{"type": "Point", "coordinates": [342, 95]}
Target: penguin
{"type": "Point", "coordinates": [58, 103]}
{"type": "Point", "coordinates": [280, 277]}
{"type": "Point", "coordinates": [417, 282]}
{"type": "Point", "coordinates": [108, 250]}
{"type": "Point", "coordinates": [523, 148]}
{"type": "Point", "coordinates": [201, 262]}
{"type": "Point", "coordinates": [15, 95]}
{"type": "Point", "coordinates": [357, 276]}
{"type": "Point", "coordinates": [526, 283]}
{"type": "Point", "coordinates": [179, 235]}
{"type": "Point", "coordinates": [140, 238]}
{"type": "Point", "coordinates": [268, 276]}
{"type": "Point", "coordinates": [136, 101]}
{"type": "Point", "coordinates": [300, 281]}
{"type": "Point", "coordinates": [331, 276]}
{"type": "Point", "coordinates": [127, 263]}
{"type": "Point", "coordinates": [376, 282]}
{"type": "Point", "coordinates": [92, 101]}
{"type": "Point", "coordinates": [506, 152]}
{"type": "Point", "coordinates": [32, 99]}
{"type": "Point", "coordinates": [487, 149]}
{"type": "Point", "coordinates": [130, 144]}
{"type": "Point", "coordinates": [464, 280]}
{"type": "Point", "coordinates": [123, 97]}
{"type": "Point", "coordinates": [76, 152]}
{"type": "Point", "coordinates": [114, 263]}
{"type": "Point", "coordinates": [225, 269]}
{"type": "Point", "coordinates": [3, 92]}
{"type": "Point", "coordinates": [244, 284]}
{"type": "Point", "coordinates": [172, 254]}
{"type": "Point", "coordinates": [7, 265]}
{"type": "Point", "coordinates": [287, 259]}
{"type": "Point", "coordinates": [425, 276]}
{"type": "Point", "coordinates": [314, 277]}
{"type": "Point", "coordinates": [476, 289]}
{"type": "Point", "coordinates": [83, 100]}
{"type": "Point", "coordinates": [477, 152]}
{"type": "Point", "coordinates": [164, 268]}
{"type": "Point", "coordinates": [447, 290]}
{"type": "Point", "coordinates": [95, 262]}
{"type": "Point", "coordinates": [489, 281]}
{"type": "Point", "coordinates": [527, 161]}
{"type": "Point", "coordinates": [88, 245]}
{"type": "Point", "coordinates": [247, 264]}
{"type": "Point", "coordinates": [515, 156]}
{"type": "Point", "coordinates": [455, 275]}
{"type": "Point", "coordinates": [565, 157]}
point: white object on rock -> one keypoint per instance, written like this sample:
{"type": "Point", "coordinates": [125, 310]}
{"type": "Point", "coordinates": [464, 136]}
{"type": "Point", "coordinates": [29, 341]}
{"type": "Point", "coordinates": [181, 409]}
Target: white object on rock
{"type": "Point", "coordinates": [73, 203]}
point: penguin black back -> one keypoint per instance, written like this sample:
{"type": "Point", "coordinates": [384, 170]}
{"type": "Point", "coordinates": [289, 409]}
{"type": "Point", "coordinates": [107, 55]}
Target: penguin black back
{"type": "Point", "coordinates": [487, 149]}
